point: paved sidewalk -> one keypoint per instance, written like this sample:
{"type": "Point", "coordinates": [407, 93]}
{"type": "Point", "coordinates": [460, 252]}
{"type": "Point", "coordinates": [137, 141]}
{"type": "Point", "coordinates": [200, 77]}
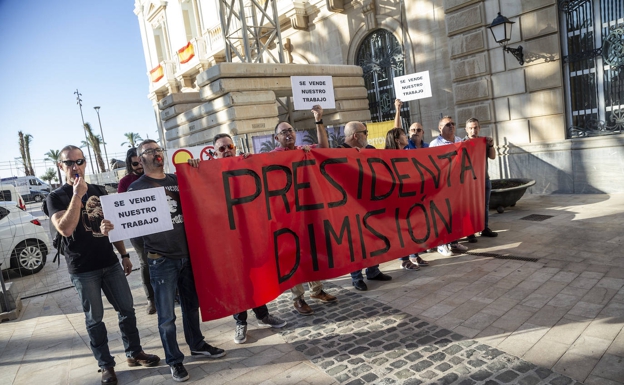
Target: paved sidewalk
{"type": "Point", "coordinates": [466, 319]}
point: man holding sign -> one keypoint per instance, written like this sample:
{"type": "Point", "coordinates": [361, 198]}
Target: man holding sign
{"type": "Point", "coordinates": [76, 214]}
{"type": "Point", "coordinates": [170, 267]}
{"type": "Point", "coordinates": [286, 136]}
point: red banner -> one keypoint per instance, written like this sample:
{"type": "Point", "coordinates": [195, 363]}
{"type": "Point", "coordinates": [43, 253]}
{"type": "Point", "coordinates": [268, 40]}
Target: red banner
{"type": "Point", "coordinates": [258, 226]}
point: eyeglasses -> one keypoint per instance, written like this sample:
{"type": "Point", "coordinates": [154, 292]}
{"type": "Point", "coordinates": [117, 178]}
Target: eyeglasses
{"type": "Point", "coordinates": [135, 164]}
{"type": "Point", "coordinates": [70, 163]}
{"type": "Point", "coordinates": [449, 124]}
{"type": "Point", "coordinates": [287, 131]}
{"type": "Point", "coordinates": [152, 151]}
{"type": "Point", "coordinates": [365, 132]}
{"type": "Point", "coordinates": [226, 147]}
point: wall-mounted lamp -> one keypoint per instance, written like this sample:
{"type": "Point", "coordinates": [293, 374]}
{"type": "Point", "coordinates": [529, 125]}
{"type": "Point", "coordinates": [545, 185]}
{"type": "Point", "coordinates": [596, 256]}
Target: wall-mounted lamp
{"type": "Point", "coordinates": [501, 31]}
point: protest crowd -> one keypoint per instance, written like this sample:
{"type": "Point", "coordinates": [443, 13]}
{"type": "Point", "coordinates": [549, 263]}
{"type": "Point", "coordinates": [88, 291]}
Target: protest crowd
{"type": "Point", "coordinates": [166, 271]}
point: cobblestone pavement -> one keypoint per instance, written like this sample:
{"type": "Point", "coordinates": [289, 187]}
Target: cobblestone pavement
{"type": "Point", "coordinates": [362, 341]}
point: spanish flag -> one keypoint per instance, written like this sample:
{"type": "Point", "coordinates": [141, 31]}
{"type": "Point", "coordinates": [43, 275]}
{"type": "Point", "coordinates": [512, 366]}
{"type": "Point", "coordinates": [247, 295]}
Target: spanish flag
{"type": "Point", "coordinates": [186, 53]}
{"type": "Point", "coordinates": [157, 73]}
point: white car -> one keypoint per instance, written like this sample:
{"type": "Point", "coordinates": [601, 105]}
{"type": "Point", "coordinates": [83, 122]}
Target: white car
{"type": "Point", "coordinates": [24, 243]}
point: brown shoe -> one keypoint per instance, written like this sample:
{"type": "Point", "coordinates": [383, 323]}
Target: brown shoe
{"type": "Point", "coordinates": [108, 376]}
{"type": "Point", "coordinates": [143, 359]}
{"type": "Point", "coordinates": [151, 308]}
{"type": "Point", "coordinates": [303, 308]}
{"type": "Point", "coordinates": [323, 297]}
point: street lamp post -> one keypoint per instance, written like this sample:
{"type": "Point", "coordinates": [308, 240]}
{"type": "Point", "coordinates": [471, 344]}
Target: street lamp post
{"type": "Point", "coordinates": [97, 109]}
{"type": "Point", "coordinates": [79, 102]}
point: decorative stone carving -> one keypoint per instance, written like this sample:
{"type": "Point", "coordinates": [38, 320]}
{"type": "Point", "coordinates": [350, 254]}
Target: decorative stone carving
{"type": "Point", "coordinates": [299, 19]}
{"type": "Point", "coordinates": [288, 48]}
{"type": "Point", "coordinates": [335, 5]}
{"type": "Point", "coordinates": [369, 9]}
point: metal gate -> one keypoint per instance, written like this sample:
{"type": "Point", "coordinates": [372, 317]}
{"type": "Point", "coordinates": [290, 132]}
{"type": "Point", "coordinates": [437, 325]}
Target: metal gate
{"type": "Point", "coordinates": [381, 57]}
{"type": "Point", "coordinates": [593, 48]}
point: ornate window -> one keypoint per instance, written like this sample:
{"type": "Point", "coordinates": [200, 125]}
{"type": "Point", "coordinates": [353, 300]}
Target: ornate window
{"type": "Point", "coordinates": [593, 59]}
{"type": "Point", "coordinates": [381, 57]}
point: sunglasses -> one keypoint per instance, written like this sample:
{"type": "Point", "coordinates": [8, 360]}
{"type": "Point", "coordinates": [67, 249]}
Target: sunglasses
{"type": "Point", "coordinates": [286, 131]}
{"type": "Point", "coordinates": [70, 163]}
{"type": "Point", "coordinates": [365, 132]}
{"type": "Point", "coordinates": [226, 147]}
{"type": "Point", "coordinates": [135, 164]}
{"type": "Point", "coordinates": [449, 124]}
{"type": "Point", "coordinates": [153, 151]}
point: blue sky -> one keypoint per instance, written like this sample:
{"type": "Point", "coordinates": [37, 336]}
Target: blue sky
{"type": "Point", "coordinates": [51, 48]}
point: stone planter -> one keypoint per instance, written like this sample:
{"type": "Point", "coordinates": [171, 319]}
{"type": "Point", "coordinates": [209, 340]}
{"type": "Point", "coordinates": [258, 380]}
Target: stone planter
{"type": "Point", "coordinates": [506, 192]}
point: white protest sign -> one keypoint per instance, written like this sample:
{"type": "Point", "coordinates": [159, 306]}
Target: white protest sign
{"type": "Point", "coordinates": [137, 213]}
{"type": "Point", "coordinates": [413, 86]}
{"type": "Point", "coordinates": [309, 91]}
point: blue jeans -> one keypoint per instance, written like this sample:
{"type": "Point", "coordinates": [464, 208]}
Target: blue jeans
{"type": "Point", "coordinates": [371, 272]}
{"type": "Point", "coordinates": [137, 243]}
{"type": "Point", "coordinates": [260, 312]}
{"type": "Point", "coordinates": [166, 274]}
{"type": "Point", "coordinates": [112, 281]}
{"type": "Point", "coordinates": [488, 192]}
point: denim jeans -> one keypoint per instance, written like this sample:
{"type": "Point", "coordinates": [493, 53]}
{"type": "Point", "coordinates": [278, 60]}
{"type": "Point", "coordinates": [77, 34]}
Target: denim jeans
{"type": "Point", "coordinates": [113, 283]}
{"type": "Point", "coordinates": [167, 274]}
{"type": "Point", "coordinates": [488, 192]}
{"type": "Point", "coordinates": [260, 312]}
{"type": "Point", "coordinates": [371, 272]}
{"type": "Point", "coordinates": [137, 243]}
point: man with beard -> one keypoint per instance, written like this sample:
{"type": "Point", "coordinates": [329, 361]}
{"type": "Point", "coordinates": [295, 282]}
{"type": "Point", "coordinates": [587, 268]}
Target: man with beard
{"type": "Point", "coordinates": [93, 265]}
{"type": "Point", "coordinates": [356, 136]}
{"type": "Point", "coordinates": [134, 170]}
{"type": "Point", "coordinates": [170, 267]}
{"type": "Point", "coordinates": [286, 137]}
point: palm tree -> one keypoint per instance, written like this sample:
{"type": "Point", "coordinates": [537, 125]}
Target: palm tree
{"type": "Point", "coordinates": [27, 139]}
{"type": "Point", "coordinates": [336, 138]}
{"type": "Point", "coordinates": [55, 156]}
{"type": "Point", "coordinates": [268, 146]}
{"type": "Point", "coordinates": [49, 175]}
{"type": "Point", "coordinates": [22, 146]}
{"type": "Point", "coordinates": [95, 141]}
{"type": "Point", "coordinates": [132, 139]}
{"type": "Point", "coordinates": [310, 137]}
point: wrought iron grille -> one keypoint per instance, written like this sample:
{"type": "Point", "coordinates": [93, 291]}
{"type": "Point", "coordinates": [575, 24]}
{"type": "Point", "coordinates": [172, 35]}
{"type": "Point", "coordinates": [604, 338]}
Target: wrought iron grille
{"type": "Point", "coordinates": [381, 57]}
{"type": "Point", "coordinates": [594, 66]}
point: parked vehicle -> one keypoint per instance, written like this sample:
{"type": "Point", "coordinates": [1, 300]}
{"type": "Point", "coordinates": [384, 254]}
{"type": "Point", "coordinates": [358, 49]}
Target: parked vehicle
{"type": "Point", "coordinates": [24, 243]}
{"type": "Point", "coordinates": [8, 192]}
{"type": "Point", "coordinates": [31, 187]}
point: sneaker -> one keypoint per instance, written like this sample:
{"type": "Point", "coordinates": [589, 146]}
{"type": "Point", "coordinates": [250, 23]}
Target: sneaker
{"type": "Point", "coordinates": [458, 247]}
{"type": "Point", "coordinates": [151, 308]}
{"type": "Point", "coordinates": [240, 334]}
{"type": "Point", "coordinates": [421, 262]}
{"type": "Point", "coordinates": [208, 351]}
{"type": "Point", "coordinates": [408, 265]}
{"type": "Point", "coordinates": [488, 233]}
{"type": "Point", "coordinates": [272, 321]}
{"type": "Point", "coordinates": [179, 373]}
{"type": "Point", "coordinates": [323, 297]}
{"type": "Point", "coordinates": [445, 250]}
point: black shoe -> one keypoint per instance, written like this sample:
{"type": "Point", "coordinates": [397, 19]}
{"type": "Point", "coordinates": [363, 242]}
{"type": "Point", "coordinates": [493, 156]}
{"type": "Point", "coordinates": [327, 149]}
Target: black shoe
{"type": "Point", "coordinates": [208, 351]}
{"type": "Point", "coordinates": [380, 277]}
{"type": "Point", "coordinates": [488, 233]}
{"type": "Point", "coordinates": [179, 373]}
{"type": "Point", "coordinates": [108, 376]}
{"type": "Point", "coordinates": [472, 238]}
{"type": "Point", "coordinates": [360, 285]}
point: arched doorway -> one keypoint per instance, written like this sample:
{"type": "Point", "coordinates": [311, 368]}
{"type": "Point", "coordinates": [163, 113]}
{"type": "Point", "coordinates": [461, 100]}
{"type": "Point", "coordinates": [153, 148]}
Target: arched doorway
{"type": "Point", "coordinates": [381, 57]}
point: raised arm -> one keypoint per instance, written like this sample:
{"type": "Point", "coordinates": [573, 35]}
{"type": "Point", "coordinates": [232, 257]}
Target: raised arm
{"type": "Point", "coordinates": [320, 128]}
{"type": "Point", "coordinates": [65, 221]}
{"type": "Point", "coordinates": [398, 122]}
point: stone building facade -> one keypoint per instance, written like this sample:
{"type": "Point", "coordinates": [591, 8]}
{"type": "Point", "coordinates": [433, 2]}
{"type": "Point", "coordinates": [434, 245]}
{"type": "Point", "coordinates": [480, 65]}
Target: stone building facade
{"type": "Point", "coordinates": [556, 119]}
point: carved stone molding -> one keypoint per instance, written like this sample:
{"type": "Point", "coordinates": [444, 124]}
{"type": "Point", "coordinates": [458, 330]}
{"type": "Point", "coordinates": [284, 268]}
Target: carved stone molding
{"type": "Point", "coordinates": [299, 19]}
{"type": "Point", "coordinates": [369, 9]}
{"type": "Point", "coordinates": [335, 5]}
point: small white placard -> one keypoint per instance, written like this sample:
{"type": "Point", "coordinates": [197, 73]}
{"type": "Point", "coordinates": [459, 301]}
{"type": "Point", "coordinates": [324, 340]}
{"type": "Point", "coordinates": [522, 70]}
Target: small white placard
{"type": "Point", "coordinates": [309, 91]}
{"type": "Point", "coordinates": [413, 86]}
{"type": "Point", "coordinates": [137, 213]}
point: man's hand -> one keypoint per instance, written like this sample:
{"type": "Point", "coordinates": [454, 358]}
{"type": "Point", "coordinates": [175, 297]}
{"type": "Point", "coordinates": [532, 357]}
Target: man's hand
{"type": "Point", "coordinates": [397, 104]}
{"type": "Point", "coordinates": [127, 266]}
{"type": "Point", "coordinates": [80, 187]}
{"type": "Point", "coordinates": [246, 155]}
{"type": "Point", "coordinates": [306, 148]}
{"type": "Point", "coordinates": [318, 113]}
{"type": "Point", "coordinates": [194, 162]}
{"type": "Point", "coordinates": [490, 141]}
{"type": "Point", "coordinates": [106, 226]}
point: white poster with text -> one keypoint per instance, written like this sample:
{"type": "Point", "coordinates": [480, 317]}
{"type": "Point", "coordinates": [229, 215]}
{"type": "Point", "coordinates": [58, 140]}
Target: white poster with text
{"type": "Point", "coordinates": [413, 86]}
{"type": "Point", "coordinates": [137, 213]}
{"type": "Point", "coordinates": [309, 91]}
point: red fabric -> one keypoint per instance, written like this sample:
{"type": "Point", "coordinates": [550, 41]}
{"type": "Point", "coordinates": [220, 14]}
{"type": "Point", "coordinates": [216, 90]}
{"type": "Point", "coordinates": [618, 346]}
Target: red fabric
{"type": "Point", "coordinates": [232, 224]}
{"type": "Point", "coordinates": [126, 181]}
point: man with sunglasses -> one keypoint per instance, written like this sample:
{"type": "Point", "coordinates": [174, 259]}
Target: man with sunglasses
{"type": "Point", "coordinates": [170, 267]}
{"type": "Point", "coordinates": [286, 137]}
{"type": "Point", "coordinates": [93, 265]}
{"type": "Point", "coordinates": [356, 136]}
{"type": "Point", "coordinates": [446, 125]}
{"type": "Point", "coordinates": [416, 132]}
{"type": "Point", "coordinates": [134, 170]}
